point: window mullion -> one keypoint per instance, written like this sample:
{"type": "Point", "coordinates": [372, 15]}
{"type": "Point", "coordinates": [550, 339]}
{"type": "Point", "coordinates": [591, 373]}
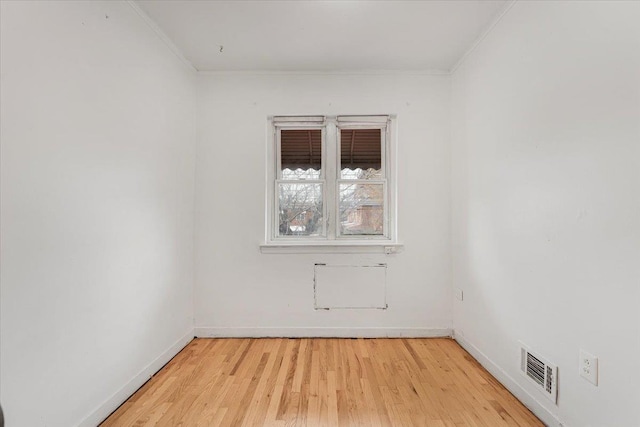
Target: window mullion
{"type": "Point", "coordinates": [330, 164]}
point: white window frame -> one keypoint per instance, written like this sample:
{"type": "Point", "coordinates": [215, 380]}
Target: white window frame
{"type": "Point", "coordinates": [364, 122]}
{"type": "Point", "coordinates": [332, 241]}
{"type": "Point", "coordinates": [302, 123]}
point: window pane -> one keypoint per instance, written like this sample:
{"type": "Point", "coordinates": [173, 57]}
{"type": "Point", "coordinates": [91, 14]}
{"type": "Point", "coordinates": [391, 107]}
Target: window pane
{"type": "Point", "coordinates": [361, 153]}
{"type": "Point", "coordinates": [301, 153]}
{"type": "Point", "coordinates": [300, 209]}
{"type": "Point", "coordinates": [361, 209]}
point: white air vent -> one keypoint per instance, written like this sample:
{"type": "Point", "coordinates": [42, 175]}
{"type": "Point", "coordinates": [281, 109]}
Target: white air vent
{"type": "Point", "coordinates": [540, 372]}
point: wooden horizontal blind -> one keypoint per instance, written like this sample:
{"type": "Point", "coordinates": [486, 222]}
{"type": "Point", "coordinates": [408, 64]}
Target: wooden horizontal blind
{"type": "Point", "coordinates": [360, 148]}
{"type": "Point", "coordinates": [301, 148]}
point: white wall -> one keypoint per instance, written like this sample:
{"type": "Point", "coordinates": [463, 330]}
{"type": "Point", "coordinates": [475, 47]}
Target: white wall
{"type": "Point", "coordinates": [98, 134]}
{"type": "Point", "coordinates": [241, 291]}
{"type": "Point", "coordinates": [546, 202]}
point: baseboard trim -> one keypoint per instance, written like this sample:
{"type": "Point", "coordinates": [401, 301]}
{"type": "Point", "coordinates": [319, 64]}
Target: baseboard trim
{"type": "Point", "coordinates": [119, 397]}
{"type": "Point", "coordinates": [510, 384]}
{"type": "Point", "coordinates": [320, 332]}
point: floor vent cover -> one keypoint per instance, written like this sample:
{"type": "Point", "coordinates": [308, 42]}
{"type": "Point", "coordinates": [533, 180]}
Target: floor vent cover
{"type": "Point", "coordinates": [540, 372]}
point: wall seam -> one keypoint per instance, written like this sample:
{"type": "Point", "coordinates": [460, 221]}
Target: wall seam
{"type": "Point", "coordinates": [483, 36]}
{"type": "Point", "coordinates": [161, 34]}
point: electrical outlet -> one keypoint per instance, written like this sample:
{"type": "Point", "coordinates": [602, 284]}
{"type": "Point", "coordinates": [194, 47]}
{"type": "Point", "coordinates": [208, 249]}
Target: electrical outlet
{"type": "Point", "coordinates": [589, 367]}
{"type": "Point", "coordinates": [459, 294]}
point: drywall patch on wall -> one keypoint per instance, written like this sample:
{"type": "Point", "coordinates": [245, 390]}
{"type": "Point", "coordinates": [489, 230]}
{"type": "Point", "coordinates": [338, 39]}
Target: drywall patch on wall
{"type": "Point", "coordinates": [350, 286]}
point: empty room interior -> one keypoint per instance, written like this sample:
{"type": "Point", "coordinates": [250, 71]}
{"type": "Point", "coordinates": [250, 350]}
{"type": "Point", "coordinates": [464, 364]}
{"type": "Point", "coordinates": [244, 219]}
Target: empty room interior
{"type": "Point", "coordinates": [292, 213]}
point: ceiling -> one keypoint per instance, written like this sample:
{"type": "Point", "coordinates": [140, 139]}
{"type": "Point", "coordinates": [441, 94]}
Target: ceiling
{"type": "Point", "coordinates": [339, 35]}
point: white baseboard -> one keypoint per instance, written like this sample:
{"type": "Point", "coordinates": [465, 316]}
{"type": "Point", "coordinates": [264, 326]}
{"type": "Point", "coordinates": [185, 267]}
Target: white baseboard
{"type": "Point", "coordinates": [119, 397]}
{"type": "Point", "coordinates": [320, 332]}
{"type": "Point", "coordinates": [510, 384]}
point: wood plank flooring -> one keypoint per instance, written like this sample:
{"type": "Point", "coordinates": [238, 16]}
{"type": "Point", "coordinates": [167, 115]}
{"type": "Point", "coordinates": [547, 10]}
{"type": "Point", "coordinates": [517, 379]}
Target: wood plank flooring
{"type": "Point", "coordinates": [322, 382]}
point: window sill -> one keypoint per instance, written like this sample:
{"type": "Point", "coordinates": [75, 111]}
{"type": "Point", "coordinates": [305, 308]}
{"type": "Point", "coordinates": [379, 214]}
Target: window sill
{"type": "Point", "coordinates": [365, 247]}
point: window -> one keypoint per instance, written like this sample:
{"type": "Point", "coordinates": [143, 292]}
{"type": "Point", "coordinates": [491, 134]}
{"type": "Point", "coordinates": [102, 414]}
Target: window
{"type": "Point", "coordinates": [330, 181]}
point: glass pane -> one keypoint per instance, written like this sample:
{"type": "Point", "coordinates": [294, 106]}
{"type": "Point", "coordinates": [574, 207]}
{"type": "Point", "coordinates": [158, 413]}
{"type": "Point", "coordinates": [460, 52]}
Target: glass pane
{"type": "Point", "coordinates": [300, 209]}
{"type": "Point", "coordinates": [361, 209]}
{"type": "Point", "coordinates": [301, 153]}
{"type": "Point", "coordinates": [361, 153]}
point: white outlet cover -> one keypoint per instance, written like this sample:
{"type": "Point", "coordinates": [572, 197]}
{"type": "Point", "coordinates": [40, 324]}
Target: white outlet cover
{"type": "Point", "coordinates": [588, 367]}
{"type": "Point", "coordinates": [459, 294]}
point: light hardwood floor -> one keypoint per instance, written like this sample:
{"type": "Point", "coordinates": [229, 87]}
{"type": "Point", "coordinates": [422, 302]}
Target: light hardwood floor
{"type": "Point", "coordinates": [299, 382]}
